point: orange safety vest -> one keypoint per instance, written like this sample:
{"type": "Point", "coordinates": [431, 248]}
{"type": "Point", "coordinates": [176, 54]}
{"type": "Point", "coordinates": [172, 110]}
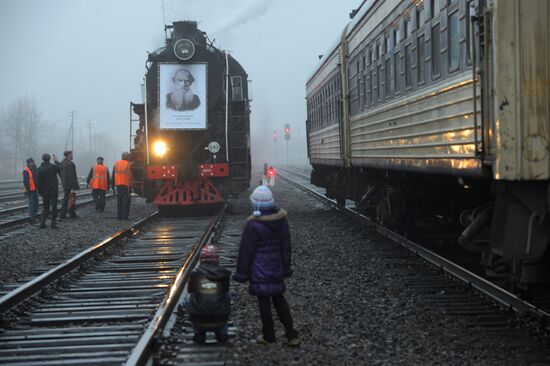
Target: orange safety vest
{"type": "Point", "coordinates": [99, 177]}
{"type": "Point", "coordinates": [123, 174]}
{"type": "Point", "coordinates": [31, 179]}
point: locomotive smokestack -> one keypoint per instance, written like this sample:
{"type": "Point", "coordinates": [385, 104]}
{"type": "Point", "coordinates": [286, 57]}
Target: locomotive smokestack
{"type": "Point", "coordinates": [184, 29]}
{"type": "Point", "coordinates": [188, 30]}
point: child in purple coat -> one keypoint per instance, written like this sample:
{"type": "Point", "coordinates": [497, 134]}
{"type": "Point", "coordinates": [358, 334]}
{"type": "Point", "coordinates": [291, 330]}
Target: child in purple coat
{"type": "Point", "coordinates": [264, 261]}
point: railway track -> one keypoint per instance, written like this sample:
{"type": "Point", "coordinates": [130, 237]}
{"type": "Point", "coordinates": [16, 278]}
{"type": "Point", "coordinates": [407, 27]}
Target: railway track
{"type": "Point", "coordinates": [15, 196]}
{"type": "Point", "coordinates": [177, 346]}
{"type": "Point", "coordinates": [487, 310]}
{"type": "Point", "coordinates": [18, 215]}
{"type": "Point", "coordinates": [107, 304]}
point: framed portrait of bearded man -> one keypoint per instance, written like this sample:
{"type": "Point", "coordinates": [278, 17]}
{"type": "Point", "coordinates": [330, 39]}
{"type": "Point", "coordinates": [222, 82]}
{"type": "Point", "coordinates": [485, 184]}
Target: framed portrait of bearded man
{"type": "Point", "coordinates": [182, 96]}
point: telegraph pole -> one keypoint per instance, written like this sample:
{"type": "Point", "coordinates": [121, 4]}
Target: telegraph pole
{"type": "Point", "coordinates": [72, 114]}
{"type": "Point", "coordinates": [17, 143]}
{"type": "Point", "coordinates": [90, 135]}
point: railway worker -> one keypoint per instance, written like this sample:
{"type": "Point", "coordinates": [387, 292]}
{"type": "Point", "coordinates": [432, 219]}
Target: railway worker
{"type": "Point", "coordinates": [98, 179]}
{"type": "Point", "coordinates": [69, 182]}
{"type": "Point", "coordinates": [182, 98]}
{"type": "Point", "coordinates": [121, 180]}
{"type": "Point", "coordinates": [29, 181]}
{"type": "Point", "coordinates": [265, 261]}
{"type": "Point", "coordinates": [208, 302]}
{"type": "Point", "coordinates": [48, 188]}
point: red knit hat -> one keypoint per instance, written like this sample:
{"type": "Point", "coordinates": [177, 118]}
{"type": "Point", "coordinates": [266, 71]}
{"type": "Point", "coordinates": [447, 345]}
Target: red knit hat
{"type": "Point", "coordinates": [210, 253]}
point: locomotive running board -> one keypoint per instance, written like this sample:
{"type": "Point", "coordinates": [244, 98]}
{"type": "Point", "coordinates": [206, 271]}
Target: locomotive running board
{"type": "Point", "coordinates": [199, 191]}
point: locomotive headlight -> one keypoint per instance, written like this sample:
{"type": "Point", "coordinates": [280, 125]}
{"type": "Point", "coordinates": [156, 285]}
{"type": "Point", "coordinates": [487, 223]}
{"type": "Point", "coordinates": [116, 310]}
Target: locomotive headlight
{"type": "Point", "coordinates": [160, 148]}
{"type": "Point", "coordinates": [184, 49]}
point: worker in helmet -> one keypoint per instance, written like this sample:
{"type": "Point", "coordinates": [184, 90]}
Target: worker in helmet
{"type": "Point", "coordinates": [122, 181]}
{"type": "Point", "coordinates": [98, 179]}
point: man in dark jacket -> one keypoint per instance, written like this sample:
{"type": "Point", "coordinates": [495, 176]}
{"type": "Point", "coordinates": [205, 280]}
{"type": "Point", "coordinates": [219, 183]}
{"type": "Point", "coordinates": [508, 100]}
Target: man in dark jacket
{"type": "Point", "coordinates": [30, 182]}
{"type": "Point", "coordinates": [208, 302]}
{"type": "Point", "coordinates": [264, 260]}
{"type": "Point", "coordinates": [69, 181]}
{"type": "Point", "coordinates": [48, 189]}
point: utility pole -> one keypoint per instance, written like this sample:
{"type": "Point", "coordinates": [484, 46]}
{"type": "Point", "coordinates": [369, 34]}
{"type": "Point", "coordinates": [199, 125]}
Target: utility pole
{"type": "Point", "coordinates": [72, 114]}
{"type": "Point", "coordinates": [90, 135]}
{"type": "Point", "coordinates": [17, 144]}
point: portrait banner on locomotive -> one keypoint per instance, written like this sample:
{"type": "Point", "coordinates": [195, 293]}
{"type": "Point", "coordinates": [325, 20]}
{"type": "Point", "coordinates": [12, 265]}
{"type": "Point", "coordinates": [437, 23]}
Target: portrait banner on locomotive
{"type": "Point", "coordinates": [182, 96]}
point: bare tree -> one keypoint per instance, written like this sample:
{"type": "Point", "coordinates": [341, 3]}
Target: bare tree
{"type": "Point", "coordinates": [19, 124]}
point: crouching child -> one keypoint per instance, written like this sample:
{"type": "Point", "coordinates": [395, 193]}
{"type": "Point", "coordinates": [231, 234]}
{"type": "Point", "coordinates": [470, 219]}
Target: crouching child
{"type": "Point", "coordinates": [209, 302]}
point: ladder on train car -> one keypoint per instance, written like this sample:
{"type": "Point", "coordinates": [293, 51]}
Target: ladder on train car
{"type": "Point", "coordinates": [135, 122]}
{"type": "Point", "coordinates": [238, 147]}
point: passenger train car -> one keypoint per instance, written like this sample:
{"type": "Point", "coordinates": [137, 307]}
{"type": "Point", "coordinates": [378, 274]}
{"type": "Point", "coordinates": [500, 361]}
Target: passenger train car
{"type": "Point", "coordinates": [438, 111]}
{"type": "Point", "coordinates": [191, 146]}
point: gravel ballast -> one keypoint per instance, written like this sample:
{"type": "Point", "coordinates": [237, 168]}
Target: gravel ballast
{"type": "Point", "coordinates": [28, 249]}
{"type": "Point", "coordinates": [352, 305]}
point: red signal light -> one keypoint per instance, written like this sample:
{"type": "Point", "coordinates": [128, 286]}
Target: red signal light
{"type": "Point", "coordinates": [287, 131]}
{"type": "Point", "coordinates": [271, 172]}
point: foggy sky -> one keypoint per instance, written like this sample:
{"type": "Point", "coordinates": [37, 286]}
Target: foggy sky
{"type": "Point", "coordinates": [89, 56]}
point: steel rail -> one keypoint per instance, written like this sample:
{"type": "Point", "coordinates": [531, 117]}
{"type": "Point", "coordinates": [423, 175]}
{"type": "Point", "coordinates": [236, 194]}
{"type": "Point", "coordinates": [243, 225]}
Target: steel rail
{"type": "Point", "coordinates": [144, 348]}
{"type": "Point", "coordinates": [8, 182]}
{"type": "Point", "coordinates": [18, 295]}
{"type": "Point", "coordinates": [501, 296]}
{"type": "Point", "coordinates": [24, 219]}
{"type": "Point", "coordinates": [18, 194]}
{"type": "Point", "coordinates": [9, 211]}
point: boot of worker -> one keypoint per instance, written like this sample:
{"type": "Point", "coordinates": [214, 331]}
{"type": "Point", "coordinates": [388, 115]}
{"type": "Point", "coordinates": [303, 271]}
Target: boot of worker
{"type": "Point", "coordinates": [53, 225]}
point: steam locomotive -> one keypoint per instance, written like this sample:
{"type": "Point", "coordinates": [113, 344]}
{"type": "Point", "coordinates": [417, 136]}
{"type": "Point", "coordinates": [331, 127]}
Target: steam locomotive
{"type": "Point", "coordinates": [192, 142]}
{"type": "Point", "coordinates": [436, 111]}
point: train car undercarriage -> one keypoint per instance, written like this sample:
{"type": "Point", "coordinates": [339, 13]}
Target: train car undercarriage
{"type": "Point", "coordinates": [508, 223]}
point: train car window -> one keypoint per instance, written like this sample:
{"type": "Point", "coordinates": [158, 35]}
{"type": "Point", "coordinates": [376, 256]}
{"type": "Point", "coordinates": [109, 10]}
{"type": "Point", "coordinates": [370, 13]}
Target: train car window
{"type": "Point", "coordinates": [387, 68]}
{"type": "Point", "coordinates": [468, 30]}
{"type": "Point", "coordinates": [453, 42]}
{"type": "Point", "coordinates": [434, 8]}
{"type": "Point", "coordinates": [421, 59]}
{"type": "Point", "coordinates": [378, 82]}
{"type": "Point", "coordinates": [408, 67]}
{"type": "Point", "coordinates": [369, 88]}
{"type": "Point", "coordinates": [365, 102]}
{"type": "Point", "coordinates": [370, 56]}
{"type": "Point", "coordinates": [436, 54]}
{"type": "Point", "coordinates": [397, 73]}
{"type": "Point", "coordinates": [420, 17]}
{"type": "Point", "coordinates": [359, 93]}
{"type": "Point", "coordinates": [396, 37]}
{"type": "Point", "coordinates": [407, 27]}
{"type": "Point", "coordinates": [237, 88]}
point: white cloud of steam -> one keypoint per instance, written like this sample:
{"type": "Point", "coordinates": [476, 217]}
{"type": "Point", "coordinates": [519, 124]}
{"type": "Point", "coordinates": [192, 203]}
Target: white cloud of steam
{"type": "Point", "coordinates": [255, 9]}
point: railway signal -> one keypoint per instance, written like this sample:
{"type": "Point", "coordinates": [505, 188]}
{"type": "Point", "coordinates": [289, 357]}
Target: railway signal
{"type": "Point", "coordinates": [287, 138]}
{"type": "Point", "coordinates": [275, 136]}
{"type": "Point", "coordinates": [287, 132]}
{"type": "Point", "coordinates": [269, 175]}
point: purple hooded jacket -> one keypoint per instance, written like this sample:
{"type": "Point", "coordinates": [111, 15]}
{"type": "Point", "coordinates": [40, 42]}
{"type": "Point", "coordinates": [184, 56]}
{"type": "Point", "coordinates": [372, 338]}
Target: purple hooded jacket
{"type": "Point", "coordinates": [265, 253]}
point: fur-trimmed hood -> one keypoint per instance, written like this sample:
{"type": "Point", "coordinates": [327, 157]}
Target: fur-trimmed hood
{"type": "Point", "coordinates": [269, 217]}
